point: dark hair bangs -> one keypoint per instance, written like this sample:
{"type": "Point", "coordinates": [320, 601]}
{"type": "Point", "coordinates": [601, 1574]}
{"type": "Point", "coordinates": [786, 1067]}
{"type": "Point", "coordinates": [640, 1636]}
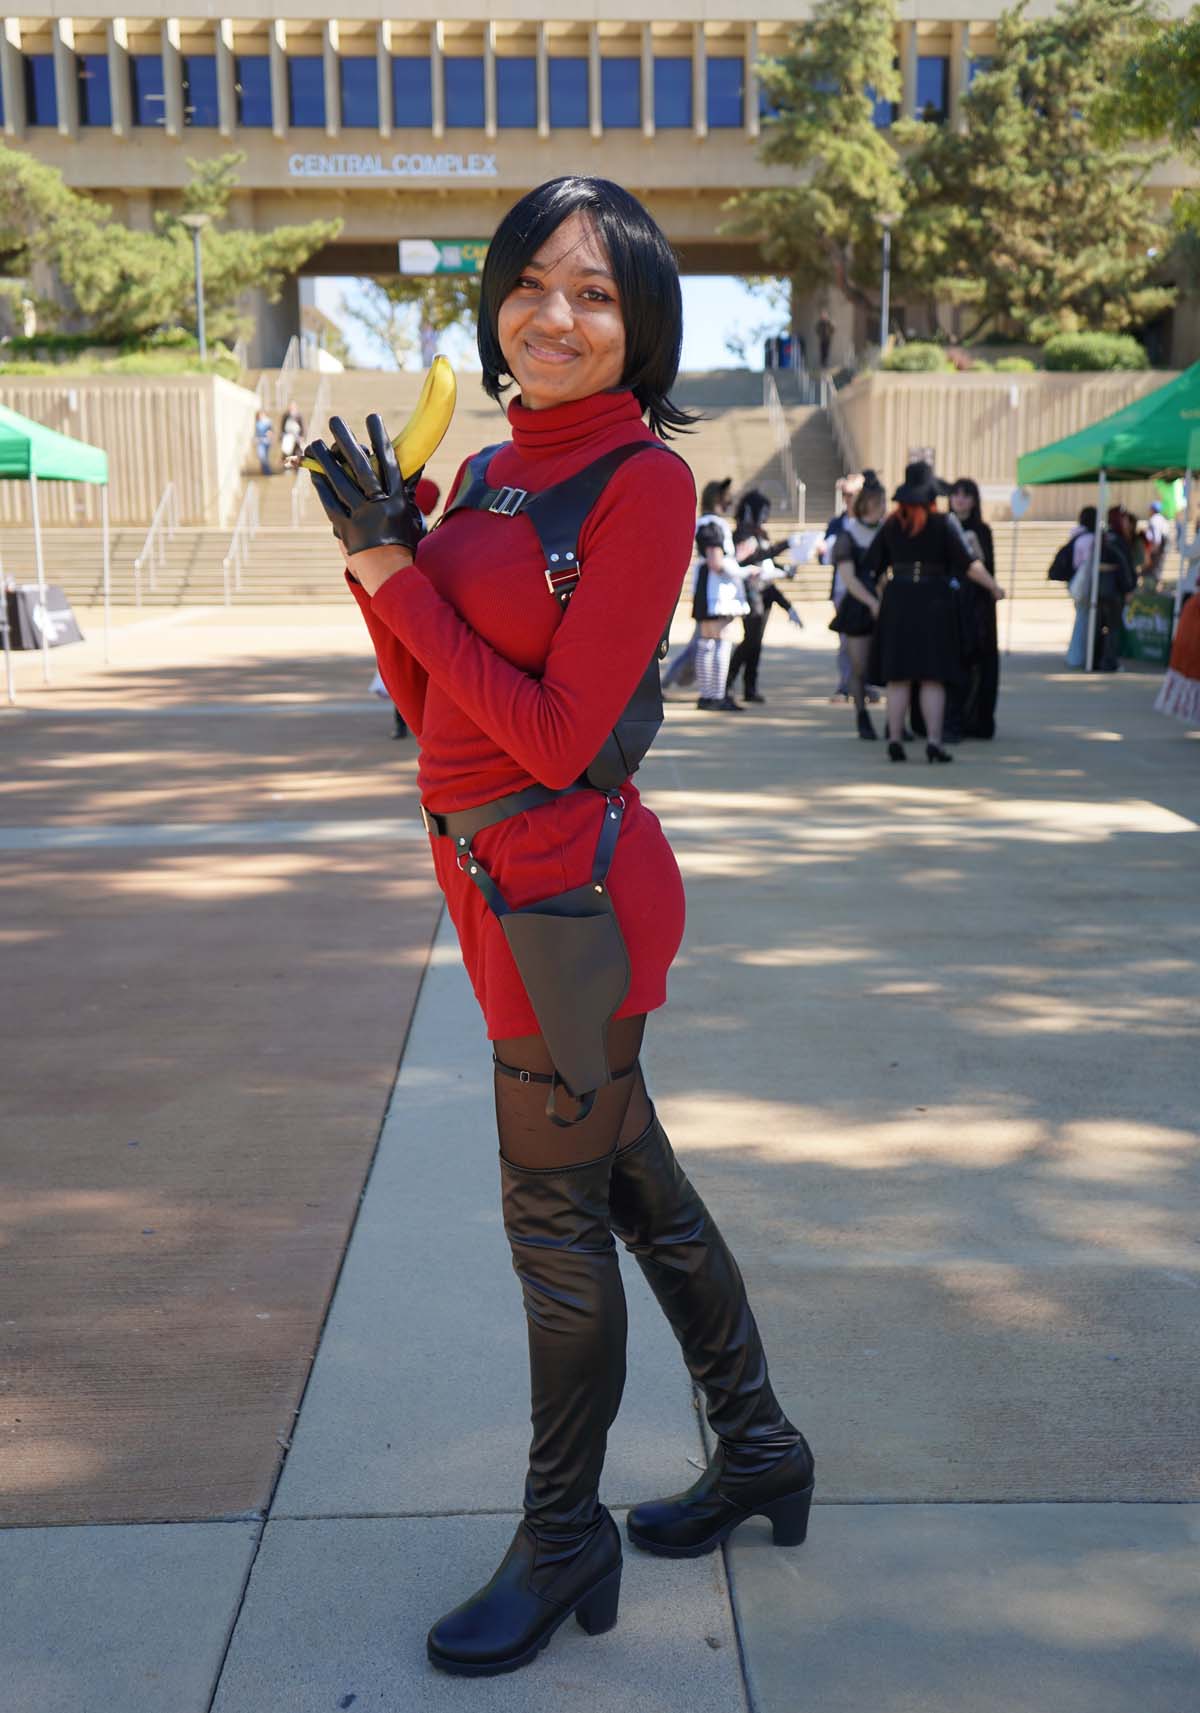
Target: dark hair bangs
{"type": "Point", "coordinates": [643, 266]}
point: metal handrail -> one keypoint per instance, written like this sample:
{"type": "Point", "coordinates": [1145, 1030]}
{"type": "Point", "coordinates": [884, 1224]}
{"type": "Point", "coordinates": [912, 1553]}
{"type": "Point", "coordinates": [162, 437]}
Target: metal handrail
{"type": "Point", "coordinates": [289, 366]}
{"type": "Point", "coordinates": [163, 524]}
{"type": "Point", "coordinates": [793, 487]}
{"type": "Point", "coordinates": [842, 435]}
{"type": "Point", "coordinates": [301, 486]}
{"type": "Point", "coordinates": [239, 545]}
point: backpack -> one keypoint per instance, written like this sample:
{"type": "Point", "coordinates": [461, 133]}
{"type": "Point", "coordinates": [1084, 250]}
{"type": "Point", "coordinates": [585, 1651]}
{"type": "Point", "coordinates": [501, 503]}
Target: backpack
{"type": "Point", "coordinates": [1062, 566]}
{"type": "Point", "coordinates": [558, 514]}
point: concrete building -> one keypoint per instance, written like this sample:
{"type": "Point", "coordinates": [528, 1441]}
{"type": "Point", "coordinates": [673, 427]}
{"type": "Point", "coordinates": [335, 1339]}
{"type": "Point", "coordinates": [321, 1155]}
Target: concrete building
{"type": "Point", "coordinates": [428, 125]}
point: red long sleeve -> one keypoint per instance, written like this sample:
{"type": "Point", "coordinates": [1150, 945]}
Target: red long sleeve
{"type": "Point", "coordinates": [634, 551]}
{"type": "Point", "coordinates": [404, 679]}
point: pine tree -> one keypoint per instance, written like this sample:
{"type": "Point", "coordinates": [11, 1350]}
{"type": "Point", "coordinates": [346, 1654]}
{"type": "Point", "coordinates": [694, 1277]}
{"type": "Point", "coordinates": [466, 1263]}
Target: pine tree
{"type": "Point", "coordinates": [823, 226]}
{"type": "Point", "coordinates": [122, 285]}
{"type": "Point", "coordinates": [1028, 219]}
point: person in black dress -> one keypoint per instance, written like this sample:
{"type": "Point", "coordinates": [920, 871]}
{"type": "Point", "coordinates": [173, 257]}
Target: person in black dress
{"type": "Point", "coordinates": [858, 608]}
{"type": "Point", "coordinates": [971, 703]}
{"type": "Point", "coordinates": [917, 638]}
{"type": "Point", "coordinates": [754, 550]}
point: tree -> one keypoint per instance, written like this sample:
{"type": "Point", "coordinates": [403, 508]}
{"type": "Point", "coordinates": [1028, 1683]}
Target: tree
{"type": "Point", "coordinates": [823, 226]}
{"type": "Point", "coordinates": [1157, 95]}
{"type": "Point", "coordinates": [394, 311]}
{"type": "Point", "coordinates": [1027, 218]}
{"type": "Point", "coordinates": [98, 276]}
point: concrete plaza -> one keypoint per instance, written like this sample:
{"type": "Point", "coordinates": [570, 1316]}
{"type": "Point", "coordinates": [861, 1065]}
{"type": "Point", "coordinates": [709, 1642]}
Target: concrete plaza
{"type": "Point", "coordinates": [930, 1056]}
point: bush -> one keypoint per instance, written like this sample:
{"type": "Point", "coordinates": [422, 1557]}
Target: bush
{"type": "Point", "coordinates": [1014, 366]}
{"type": "Point", "coordinates": [168, 362]}
{"type": "Point", "coordinates": [1094, 351]}
{"type": "Point", "coordinates": [918, 358]}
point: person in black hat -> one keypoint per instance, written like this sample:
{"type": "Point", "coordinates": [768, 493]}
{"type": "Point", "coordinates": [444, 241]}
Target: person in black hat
{"type": "Point", "coordinates": [917, 637]}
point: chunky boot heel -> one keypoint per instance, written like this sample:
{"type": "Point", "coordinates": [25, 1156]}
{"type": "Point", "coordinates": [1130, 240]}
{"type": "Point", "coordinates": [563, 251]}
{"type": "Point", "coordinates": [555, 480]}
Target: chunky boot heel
{"type": "Point", "coordinates": [598, 1611]}
{"type": "Point", "coordinates": [789, 1518]}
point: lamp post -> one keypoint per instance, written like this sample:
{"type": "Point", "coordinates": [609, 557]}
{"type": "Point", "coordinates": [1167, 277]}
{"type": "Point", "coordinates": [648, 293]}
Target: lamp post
{"type": "Point", "coordinates": [885, 220]}
{"type": "Point", "coordinates": [195, 224]}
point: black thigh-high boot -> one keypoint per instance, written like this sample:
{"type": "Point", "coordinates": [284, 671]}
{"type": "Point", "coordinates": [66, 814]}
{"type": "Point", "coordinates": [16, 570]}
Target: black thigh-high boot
{"type": "Point", "coordinates": [566, 1554]}
{"type": "Point", "coordinates": [763, 1466]}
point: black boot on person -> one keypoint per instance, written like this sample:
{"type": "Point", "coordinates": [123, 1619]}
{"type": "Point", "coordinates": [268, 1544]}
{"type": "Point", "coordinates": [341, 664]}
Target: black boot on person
{"type": "Point", "coordinates": [866, 726]}
{"type": "Point", "coordinates": [763, 1466]}
{"type": "Point", "coordinates": [565, 1557]}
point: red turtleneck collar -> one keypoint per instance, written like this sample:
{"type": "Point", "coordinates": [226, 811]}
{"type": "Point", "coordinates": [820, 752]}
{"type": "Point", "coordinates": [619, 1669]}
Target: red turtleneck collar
{"type": "Point", "coordinates": [558, 428]}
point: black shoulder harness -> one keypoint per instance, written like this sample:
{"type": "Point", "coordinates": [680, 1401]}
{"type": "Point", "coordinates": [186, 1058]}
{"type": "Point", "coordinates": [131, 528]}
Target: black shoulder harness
{"type": "Point", "coordinates": [558, 515]}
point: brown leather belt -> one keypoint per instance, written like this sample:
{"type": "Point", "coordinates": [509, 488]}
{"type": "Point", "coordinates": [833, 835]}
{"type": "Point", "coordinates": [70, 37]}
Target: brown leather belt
{"type": "Point", "coordinates": [461, 825]}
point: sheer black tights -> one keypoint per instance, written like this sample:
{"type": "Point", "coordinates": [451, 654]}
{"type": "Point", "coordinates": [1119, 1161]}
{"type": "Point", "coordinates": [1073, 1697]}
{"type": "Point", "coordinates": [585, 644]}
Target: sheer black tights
{"type": "Point", "coordinates": [620, 1115]}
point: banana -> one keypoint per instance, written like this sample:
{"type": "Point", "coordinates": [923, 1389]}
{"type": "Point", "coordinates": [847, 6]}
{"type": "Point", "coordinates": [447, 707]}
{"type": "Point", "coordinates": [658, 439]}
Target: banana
{"type": "Point", "coordinates": [426, 428]}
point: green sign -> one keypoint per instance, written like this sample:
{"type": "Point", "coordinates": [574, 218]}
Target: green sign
{"type": "Point", "coordinates": [442, 255]}
{"type": "Point", "coordinates": [1146, 627]}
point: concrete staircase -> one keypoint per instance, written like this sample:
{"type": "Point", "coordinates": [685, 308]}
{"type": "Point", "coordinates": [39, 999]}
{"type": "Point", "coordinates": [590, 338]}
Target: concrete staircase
{"type": "Point", "coordinates": [302, 566]}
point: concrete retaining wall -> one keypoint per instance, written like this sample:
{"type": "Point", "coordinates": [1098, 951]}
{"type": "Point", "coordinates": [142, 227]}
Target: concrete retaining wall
{"type": "Point", "coordinates": [194, 430]}
{"type": "Point", "coordinates": [978, 425]}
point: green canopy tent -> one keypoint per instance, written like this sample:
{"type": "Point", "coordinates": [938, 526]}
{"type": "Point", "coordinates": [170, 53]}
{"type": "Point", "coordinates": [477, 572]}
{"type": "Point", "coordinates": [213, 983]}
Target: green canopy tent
{"type": "Point", "coordinates": [1156, 435]}
{"type": "Point", "coordinates": [30, 452]}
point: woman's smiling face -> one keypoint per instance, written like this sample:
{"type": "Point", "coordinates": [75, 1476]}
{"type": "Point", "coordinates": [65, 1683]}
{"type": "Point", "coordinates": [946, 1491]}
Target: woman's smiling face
{"type": "Point", "coordinates": [561, 328]}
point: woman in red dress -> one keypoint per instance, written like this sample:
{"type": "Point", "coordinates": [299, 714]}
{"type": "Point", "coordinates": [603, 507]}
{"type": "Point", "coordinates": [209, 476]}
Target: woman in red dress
{"type": "Point", "coordinates": [513, 683]}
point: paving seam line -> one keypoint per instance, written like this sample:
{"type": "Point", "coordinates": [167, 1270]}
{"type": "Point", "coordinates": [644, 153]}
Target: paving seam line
{"type": "Point", "coordinates": [265, 1517]}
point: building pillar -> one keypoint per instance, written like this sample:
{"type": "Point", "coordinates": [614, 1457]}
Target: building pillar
{"type": "Point", "coordinates": [12, 74]}
{"type": "Point", "coordinates": [226, 79]}
{"type": "Point", "coordinates": [489, 79]}
{"type": "Point", "coordinates": [699, 81]}
{"type": "Point", "coordinates": [908, 71]}
{"type": "Point", "coordinates": [437, 75]}
{"type": "Point", "coordinates": [139, 210]}
{"type": "Point", "coordinates": [750, 81]}
{"type": "Point", "coordinates": [66, 77]}
{"type": "Point", "coordinates": [960, 72]}
{"type": "Point", "coordinates": [647, 80]}
{"type": "Point", "coordinates": [543, 82]}
{"type": "Point", "coordinates": [386, 87]}
{"type": "Point", "coordinates": [120, 92]}
{"type": "Point", "coordinates": [333, 83]}
{"type": "Point", "coordinates": [595, 90]}
{"type": "Point", "coordinates": [172, 62]}
{"type": "Point", "coordinates": [277, 46]}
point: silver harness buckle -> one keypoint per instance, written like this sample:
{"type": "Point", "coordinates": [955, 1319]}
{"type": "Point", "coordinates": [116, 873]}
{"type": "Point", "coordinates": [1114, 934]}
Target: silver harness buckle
{"type": "Point", "coordinates": [509, 501]}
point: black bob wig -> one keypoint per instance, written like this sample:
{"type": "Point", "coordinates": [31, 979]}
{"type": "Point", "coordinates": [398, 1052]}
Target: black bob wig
{"type": "Point", "coordinates": [643, 266]}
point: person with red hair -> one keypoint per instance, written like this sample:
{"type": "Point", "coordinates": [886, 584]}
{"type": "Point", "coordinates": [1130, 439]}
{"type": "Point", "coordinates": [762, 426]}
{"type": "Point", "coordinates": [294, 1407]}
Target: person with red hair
{"type": "Point", "coordinates": [917, 634]}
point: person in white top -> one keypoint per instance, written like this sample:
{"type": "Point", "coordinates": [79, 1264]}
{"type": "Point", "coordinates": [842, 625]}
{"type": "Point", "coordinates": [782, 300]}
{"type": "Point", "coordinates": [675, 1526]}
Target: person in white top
{"type": "Point", "coordinates": [714, 504]}
{"type": "Point", "coordinates": [719, 599]}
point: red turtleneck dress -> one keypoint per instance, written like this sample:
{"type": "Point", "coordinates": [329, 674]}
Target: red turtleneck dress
{"type": "Point", "coordinates": [505, 688]}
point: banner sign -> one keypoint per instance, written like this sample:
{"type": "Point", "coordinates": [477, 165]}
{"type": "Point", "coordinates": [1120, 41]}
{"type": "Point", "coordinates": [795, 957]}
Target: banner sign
{"type": "Point", "coordinates": [28, 618]}
{"type": "Point", "coordinates": [442, 255]}
{"type": "Point", "coordinates": [1146, 627]}
{"type": "Point", "coordinates": [392, 166]}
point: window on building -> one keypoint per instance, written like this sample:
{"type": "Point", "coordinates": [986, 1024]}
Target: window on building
{"type": "Point", "coordinates": [621, 92]}
{"type": "Point", "coordinates": [883, 113]}
{"type": "Point", "coordinates": [933, 88]}
{"type": "Point", "coordinates": [673, 93]}
{"type": "Point", "coordinates": [252, 73]}
{"type": "Point", "coordinates": [412, 91]}
{"type": "Point", "coordinates": [200, 90]}
{"type": "Point", "coordinates": [725, 92]}
{"type": "Point", "coordinates": [95, 96]}
{"type": "Point", "coordinates": [41, 98]}
{"type": "Point", "coordinates": [569, 93]}
{"type": "Point", "coordinates": [358, 77]}
{"type": "Point", "coordinates": [306, 90]}
{"type": "Point", "coordinates": [464, 92]}
{"type": "Point", "coordinates": [146, 81]}
{"type": "Point", "coordinates": [516, 92]}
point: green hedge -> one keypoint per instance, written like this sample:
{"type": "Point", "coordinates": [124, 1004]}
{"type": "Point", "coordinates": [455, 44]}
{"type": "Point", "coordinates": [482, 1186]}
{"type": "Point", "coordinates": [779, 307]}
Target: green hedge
{"type": "Point", "coordinates": [1078, 351]}
{"type": "Point", "coordinates": [161, 362]}
{"type": "Point", "coordinates": [917, 358]}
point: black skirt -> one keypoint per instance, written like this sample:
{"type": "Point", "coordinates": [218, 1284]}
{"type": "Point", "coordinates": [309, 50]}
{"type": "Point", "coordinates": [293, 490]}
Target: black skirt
{"type": "Point", "coordinates": [917, 636]}
{"type": "Point", "coordinates": [852, 618]}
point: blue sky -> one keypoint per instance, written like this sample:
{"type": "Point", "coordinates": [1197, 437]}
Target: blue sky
{"type": "Point", "coordinates": [715, 308]}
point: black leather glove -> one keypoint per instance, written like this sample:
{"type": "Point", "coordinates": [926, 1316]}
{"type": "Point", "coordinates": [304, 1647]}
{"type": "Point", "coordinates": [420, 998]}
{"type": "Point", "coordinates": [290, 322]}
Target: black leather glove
{"type": "Point", "coordinates": [368, 505]}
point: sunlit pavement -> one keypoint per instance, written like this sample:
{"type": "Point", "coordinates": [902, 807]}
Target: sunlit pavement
{"type": "Point", "coordinates": [930, 1056]}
